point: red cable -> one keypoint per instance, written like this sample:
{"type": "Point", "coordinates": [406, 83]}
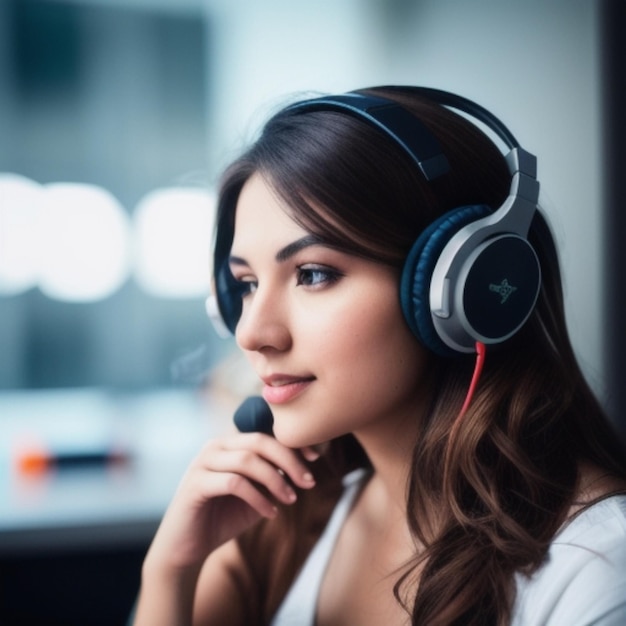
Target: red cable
{"type": "Point", "coordinates": [478, 368]}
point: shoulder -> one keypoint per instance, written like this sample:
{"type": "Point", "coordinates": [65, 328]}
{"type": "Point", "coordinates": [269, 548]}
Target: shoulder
{"type": "Point", "coordinates": [583, 580]}
{"type": "Point", "coordinates": [221, 589]}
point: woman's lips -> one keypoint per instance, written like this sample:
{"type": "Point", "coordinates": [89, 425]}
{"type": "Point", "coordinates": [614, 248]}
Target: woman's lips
{"type": "Point", "coordinates": [280, 390]}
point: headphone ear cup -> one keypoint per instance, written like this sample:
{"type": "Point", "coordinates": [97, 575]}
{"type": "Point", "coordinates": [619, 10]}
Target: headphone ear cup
{"type": "Point", "coordinates": [228, 296]}
{"type": "Point", "coordinates": [418, 269]}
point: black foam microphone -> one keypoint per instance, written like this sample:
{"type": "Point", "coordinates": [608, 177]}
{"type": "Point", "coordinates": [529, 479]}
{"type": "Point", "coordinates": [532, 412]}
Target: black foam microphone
{"type": "Point", "coordinates": [254, 416]}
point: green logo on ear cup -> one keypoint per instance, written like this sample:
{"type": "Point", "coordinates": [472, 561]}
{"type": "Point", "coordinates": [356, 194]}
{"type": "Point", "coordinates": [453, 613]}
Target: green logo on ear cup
{"type": "Point", "coordinates": [504, 289]}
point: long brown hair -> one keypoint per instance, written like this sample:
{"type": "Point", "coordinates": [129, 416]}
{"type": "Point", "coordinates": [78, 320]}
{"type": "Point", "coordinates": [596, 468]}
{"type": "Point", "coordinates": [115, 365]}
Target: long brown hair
{"type": "Point", "coordinates": [485, 498]}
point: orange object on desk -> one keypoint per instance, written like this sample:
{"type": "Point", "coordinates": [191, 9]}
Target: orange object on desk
{"type": "Point", "coordinates": [35, 461]}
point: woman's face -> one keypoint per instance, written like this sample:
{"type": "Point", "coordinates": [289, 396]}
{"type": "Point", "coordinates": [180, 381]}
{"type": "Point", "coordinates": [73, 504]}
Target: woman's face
{"type": "Point", "coordinates": [322, 329]}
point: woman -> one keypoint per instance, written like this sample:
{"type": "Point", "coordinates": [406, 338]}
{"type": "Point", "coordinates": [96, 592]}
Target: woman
{"type": "Point", "coordinates": [402, 484]}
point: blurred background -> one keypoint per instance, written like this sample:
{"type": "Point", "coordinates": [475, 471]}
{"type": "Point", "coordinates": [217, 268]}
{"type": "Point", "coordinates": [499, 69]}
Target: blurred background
{"type": "Point", "coordinates": [116, 118]}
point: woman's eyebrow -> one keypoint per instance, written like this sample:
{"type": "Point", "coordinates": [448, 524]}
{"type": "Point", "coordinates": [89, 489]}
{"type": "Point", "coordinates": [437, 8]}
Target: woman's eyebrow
{"type": "Point", "coordinates": [304, 242]}
{"type": "Point", "coordinates": [288, 251]}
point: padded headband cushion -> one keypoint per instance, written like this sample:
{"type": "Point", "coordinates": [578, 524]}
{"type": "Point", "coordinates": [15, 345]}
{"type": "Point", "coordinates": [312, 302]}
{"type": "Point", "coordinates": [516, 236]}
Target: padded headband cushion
{"type": "Point", "coordinates": [418, 269]}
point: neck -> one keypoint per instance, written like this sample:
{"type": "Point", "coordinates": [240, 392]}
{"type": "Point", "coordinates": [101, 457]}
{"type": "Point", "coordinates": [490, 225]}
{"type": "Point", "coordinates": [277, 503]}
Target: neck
{"type": "Point", "coordinates": [389, 447]}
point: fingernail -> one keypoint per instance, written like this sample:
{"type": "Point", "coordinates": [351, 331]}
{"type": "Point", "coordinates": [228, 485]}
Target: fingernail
{"type": "Point", "coordinates": [311, 455]}
{"type": "Point", "coordinates": [308, 477]}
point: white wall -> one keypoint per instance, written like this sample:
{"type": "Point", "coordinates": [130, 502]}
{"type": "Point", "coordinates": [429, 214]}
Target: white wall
{"type": "Point", "coordinates": [263, 54]}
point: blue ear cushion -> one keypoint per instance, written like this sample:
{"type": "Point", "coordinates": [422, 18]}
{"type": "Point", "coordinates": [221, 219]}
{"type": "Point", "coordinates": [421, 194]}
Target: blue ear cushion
{"type": "Point", "coordinates": [228, 293]}
{"type": "Point", "coordinates": [419, 266]}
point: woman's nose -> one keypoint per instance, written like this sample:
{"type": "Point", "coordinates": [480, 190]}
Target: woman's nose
{"type": "Point", "coordinates": [263, 325]}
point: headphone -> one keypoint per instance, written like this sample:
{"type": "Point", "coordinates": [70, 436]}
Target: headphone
{"type": "Point", "coordinates": [471, 276]}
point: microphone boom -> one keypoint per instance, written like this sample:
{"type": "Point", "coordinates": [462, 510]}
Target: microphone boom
{"type": "Point", "coordinates": [254, 416]}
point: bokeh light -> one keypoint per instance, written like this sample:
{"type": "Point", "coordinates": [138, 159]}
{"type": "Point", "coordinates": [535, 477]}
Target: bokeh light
{"type": "Point", "coordinates": [20, 203]}
{"type": "Point", "coordinates": [172, 235]}
{"type": "Point", "coordinates": [84, 243]}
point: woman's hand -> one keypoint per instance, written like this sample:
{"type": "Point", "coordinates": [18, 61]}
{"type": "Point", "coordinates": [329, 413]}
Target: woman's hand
{"type": "Point", "coordinates": [230, 485]}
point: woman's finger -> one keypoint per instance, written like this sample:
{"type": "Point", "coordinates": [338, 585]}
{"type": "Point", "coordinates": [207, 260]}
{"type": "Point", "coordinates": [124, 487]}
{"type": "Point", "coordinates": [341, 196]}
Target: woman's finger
{"type": "Point", "coordinates": [248, 465]}
{"type": "Point", "coordinates": [285, 459]}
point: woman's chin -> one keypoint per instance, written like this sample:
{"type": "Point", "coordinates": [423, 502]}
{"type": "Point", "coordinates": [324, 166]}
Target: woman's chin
{"type": "Point", "coordinates": [291, 436]}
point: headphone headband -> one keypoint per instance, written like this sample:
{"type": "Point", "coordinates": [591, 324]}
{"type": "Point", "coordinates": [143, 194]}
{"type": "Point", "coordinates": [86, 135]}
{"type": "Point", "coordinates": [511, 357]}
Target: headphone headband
{"type": "Point", "coordinates": [422, 146]}
{"type": "Point", "coordinates": [395, 121]}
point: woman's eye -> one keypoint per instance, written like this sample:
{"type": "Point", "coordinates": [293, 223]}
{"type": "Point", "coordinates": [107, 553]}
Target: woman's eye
{"type": "Point", "coordinates": [313, 276]}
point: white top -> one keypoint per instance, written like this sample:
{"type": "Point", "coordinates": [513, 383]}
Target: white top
{"type": "Point", "coordinates": [582, 583]}
{"type": "Point", "coordinates": [300, 604]}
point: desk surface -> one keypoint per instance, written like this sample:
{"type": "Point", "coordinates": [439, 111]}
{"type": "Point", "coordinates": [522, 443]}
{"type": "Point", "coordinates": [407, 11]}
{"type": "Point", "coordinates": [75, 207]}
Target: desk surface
{"type": "Point", "coordinates": [159, 431]}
